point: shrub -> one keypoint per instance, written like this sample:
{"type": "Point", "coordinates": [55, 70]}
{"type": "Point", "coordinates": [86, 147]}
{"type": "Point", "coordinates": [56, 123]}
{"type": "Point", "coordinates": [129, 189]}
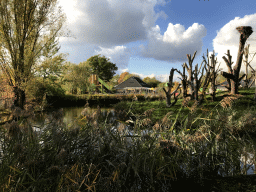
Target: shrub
{"type": "Point", "coordinates": [37, 88]}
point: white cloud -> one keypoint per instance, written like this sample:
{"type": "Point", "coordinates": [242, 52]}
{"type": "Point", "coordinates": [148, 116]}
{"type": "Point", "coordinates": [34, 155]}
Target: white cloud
{"type": "Point", "coordinates": [175, 44]}
{"type": "Point", "coordinates": [109, 22]}
{"type": "Point", "coordinates": [124, 70]}
{"type": "Point", "coordinates": [228, 38]}
{"type": "Point", "coordinates": [162, 78]}
{"type": "Point", "coordinates": [165, 77]}
{"type": "Point", "coordinates": [106, 25]}
{"type": "Point", "coordinates": [120, 55]}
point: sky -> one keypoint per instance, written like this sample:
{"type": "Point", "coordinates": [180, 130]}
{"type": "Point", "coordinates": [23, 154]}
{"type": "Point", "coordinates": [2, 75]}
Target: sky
{"type": "Point", "coordinates": [149, 37]}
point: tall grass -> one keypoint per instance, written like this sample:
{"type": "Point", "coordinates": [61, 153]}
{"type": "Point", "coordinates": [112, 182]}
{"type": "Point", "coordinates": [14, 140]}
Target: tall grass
{"type": "Point", "coordinates": [90, 156]}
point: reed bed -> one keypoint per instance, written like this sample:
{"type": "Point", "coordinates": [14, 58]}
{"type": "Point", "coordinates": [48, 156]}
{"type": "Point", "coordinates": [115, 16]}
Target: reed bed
{"type": "Point", "coordinates": [90, 156]}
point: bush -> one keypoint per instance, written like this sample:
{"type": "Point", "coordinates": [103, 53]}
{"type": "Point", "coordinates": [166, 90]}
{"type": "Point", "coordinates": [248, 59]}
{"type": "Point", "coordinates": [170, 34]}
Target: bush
{"type": "Point", "coordinates": [37, 88]}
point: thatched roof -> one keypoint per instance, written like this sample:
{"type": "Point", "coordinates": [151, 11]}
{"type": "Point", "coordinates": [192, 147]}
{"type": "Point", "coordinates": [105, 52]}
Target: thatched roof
{"type": "Point", "coordinates": [132, 82]}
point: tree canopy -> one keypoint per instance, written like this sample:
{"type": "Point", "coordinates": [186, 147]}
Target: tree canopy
{"type": "Point", "coordinates": [126, 75]}
{"type": "Point", "coordinates": [102, 67]}
{"type": "Point", "coordinates": [28, 33]}
{"type": "Point", "coordinates": [76, 77]}
{"type": "Point", "coordinates": [152, 82]}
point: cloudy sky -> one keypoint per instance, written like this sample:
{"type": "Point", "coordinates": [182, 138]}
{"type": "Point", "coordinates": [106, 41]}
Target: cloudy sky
{"type": "Point", "coordinates": [149, 37]}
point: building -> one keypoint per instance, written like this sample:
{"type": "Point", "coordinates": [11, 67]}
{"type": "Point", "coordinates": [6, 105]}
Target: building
{"type": "Point", "coordinates": [222, 87]}
{"type": "Point", "coordinates": [252, 83]}
{"type": "Point", "coordinates": [133, 85]}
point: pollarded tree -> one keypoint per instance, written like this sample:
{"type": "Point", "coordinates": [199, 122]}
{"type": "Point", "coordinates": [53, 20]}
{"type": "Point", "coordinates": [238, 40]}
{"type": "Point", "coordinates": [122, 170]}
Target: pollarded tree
{"type": "Point", "coordinates": [28, 29]}
{"type": "Point", "coordinates": [102, 67]}
{"type": "Point", "coordinates": [233, 74]}
{"type": "Point", "coordinates": [169, 93]}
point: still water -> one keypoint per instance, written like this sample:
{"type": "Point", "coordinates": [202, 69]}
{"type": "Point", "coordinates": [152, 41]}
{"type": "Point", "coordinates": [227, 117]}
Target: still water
{"type": "Point", "coordinates": [72, 114]}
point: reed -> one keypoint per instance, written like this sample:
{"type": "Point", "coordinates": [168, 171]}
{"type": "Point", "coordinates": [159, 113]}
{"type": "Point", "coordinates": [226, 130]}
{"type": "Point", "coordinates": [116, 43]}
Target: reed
{"type": "Point", "coordinates": [92, 157]}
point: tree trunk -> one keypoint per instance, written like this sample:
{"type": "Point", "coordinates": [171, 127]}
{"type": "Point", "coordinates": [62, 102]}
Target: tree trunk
{"type": "Point", "coordinates": [168, 93]}
{"type": "Point", "coordinates": [20, 97]}
{"type": "Point", "coordinates": [233, 75]}
{"type": "Point", "coordinates": [190, 75]}
{"type": "Point", "coordinates": [246, 54]}
{"type": "Point", "coordinates": [213, 77]}
{"type": "Point", "coordinates": [245, 32]}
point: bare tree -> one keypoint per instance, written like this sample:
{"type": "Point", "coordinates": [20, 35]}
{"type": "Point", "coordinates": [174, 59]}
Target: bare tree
{"type": "Point", "coordinates": [248, 80]}
{"type": "Point", "coordinates": [169, 93]}
{"type": "Point", "coordinates": [213, 73]}
{"type": "Point", "coordinates": [196, 78]}
{"type": "Point", "coordinates": [190, 79]}
{"type": "Point", "coordinates": [28, 30]}
{"type": "Point", "coordinates": [233, 74]}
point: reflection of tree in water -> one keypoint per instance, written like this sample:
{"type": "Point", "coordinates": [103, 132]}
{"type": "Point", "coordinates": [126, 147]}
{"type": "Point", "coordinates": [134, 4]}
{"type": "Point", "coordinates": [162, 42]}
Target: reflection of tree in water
{"type": "Point", "coordinates": [69, 116]}
{"type": "Point", "coordinates": [73, 113]}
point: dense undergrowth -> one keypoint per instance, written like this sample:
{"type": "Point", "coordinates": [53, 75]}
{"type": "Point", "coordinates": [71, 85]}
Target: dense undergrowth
{"type": "Point", "coordinates": [187, 145]}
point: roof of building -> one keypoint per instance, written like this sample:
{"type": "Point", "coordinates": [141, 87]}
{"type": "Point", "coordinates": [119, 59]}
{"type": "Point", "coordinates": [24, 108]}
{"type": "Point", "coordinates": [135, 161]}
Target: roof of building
{"type": "Point", "coordinates": [132, 82]}
{"type": "Point", "coordinates": [251, 82]}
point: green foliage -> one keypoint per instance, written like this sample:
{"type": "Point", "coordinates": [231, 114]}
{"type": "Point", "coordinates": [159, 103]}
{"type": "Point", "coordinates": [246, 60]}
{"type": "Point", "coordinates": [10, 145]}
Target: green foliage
{"type": "Point", "coordinates": [114, 81]}
{"type": "Point", "coordinates": [220, 78]}
{"type": "Point", "coordinates": [76, 77]}
{"type": "Point", "coordinates": [101, 66]}
{"type": "Point", "coordinates": [161, 85]}
{"type": "Point", "coordinates": [92, 88]}
{"type": "Point", "coordinates": [29, 33]}
{"type": "Point", "coordinates": [94, 156]}
{"type": "Point", "coordinates": [37, 88]}
{"type": "Point", "coordinates": [130, 75]}
{"type": "Point", "coordinates": [51, 68]}
{"type": "Point", "coordinates": [152, 82]}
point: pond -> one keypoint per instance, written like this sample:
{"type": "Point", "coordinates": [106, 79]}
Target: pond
{"type": "Point", "coordinates": [71, 114]}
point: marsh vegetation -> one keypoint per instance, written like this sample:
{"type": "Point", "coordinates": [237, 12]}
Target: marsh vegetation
{"type": "Point", "coordinates": [205, 147]}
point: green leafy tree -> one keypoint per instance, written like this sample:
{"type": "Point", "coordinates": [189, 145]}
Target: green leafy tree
{"type": "Point", "coordinates": [51, 68]}
{"type": "Point", "coordinates": [28, 30]}
{"type": "Point", "coordinates": [114, 80]}
{"type": "Point", "coordinates": [152, 82]}
{"type": "Point", "coordinates": [76, 77]}
{"type": "Point", "coordinates": [102, 67]}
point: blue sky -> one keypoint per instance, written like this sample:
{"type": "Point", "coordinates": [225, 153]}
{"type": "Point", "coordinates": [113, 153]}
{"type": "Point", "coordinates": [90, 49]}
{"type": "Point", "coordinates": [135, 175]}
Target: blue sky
{"type": "Point", "coordinates": [149, 37]}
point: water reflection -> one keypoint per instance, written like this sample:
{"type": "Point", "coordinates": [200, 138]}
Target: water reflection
{"type": "Point", "coordinates": [71, 115]}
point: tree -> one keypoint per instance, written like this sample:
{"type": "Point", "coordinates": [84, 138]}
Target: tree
{"type": "Point", "coordinates": [102, 67]}
{"type": "Point", "coordinates": [131, 75]}
{"type": "Point", "coordinates": [232, 75]}
{"type": "Point", "coordinates": [51, 68]}
{"type": "Point", "coordinates": [169, 91]}
{"type": "Point", "coordinates": [152, 82]}
{"type": "Point", "coordinates": [122, 76]}
{"type": "Point", "coordinates": [76, 77]}
{"type": "Point", "coordinates": [126, 75]}
{"type": "Point", "coordinates": [114, 80]}
{"type": "Point", "coordinates": [28, 29]}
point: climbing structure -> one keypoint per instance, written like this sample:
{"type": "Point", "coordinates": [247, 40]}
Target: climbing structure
{"type": "Point", "coordinates": [100, 84]}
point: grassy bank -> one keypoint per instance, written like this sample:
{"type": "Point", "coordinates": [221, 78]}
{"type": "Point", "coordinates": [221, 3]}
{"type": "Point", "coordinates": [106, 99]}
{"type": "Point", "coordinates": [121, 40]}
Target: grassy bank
{"type": "Point", "coordinates": [188, 146]}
